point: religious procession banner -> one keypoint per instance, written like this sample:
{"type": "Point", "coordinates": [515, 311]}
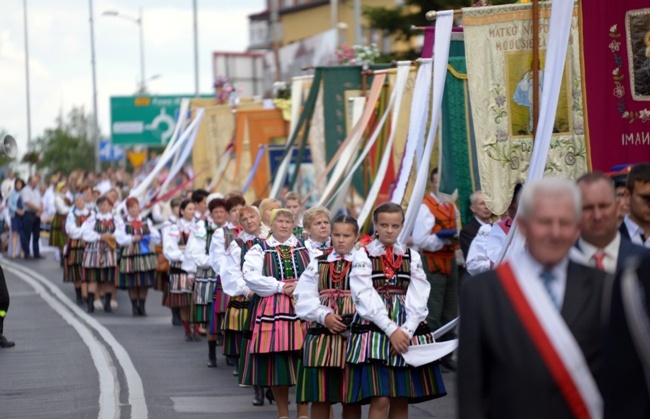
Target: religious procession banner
{"type": "Point", "coordinates": [616, 38]}
{"type": "Point", "coordinates": [458, 162]}
{"type": "Point", "coordinates": [498, 42]}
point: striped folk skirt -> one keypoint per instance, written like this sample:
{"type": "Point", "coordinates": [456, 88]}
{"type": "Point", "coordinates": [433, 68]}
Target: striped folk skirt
{"type": "Point", "coordinates": [202, 301]}
{"type": "Point", "coordinates": [275, 325]}
{"type": "Point", "coordinates": [160, 281]}
{"type": "Point", "coordinates": [100, 263]}
{"type": "Point", "coordinates": [219, 307]}
{"type": "Point", "coordinates": [180, 290]}
{"type": "Point", "coordinates": [234, 324]}
{"type": "Point", "coordinates": [137, 269]}
{"type": "Point", "coordinates": [375, 372]}
{"type": "Point", "coordinates": [265, 369]}
{"type": "Point", "coordinates": [73, 260]}
{"type": "Point", "coordinates": [58, 236]}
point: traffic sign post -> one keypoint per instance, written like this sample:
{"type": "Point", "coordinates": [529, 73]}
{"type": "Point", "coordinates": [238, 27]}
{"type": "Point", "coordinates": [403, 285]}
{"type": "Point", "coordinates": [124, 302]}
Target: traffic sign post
{"type": "Point", "coordinates": [144, 120]}
{"type": "Point", "coordinates": [109, 152]}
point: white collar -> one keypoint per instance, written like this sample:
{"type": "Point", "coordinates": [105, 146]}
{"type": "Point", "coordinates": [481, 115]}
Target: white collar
{"type": "Point", "coordinates": [316, 245]}
{"type": "Point", "coordinates": [107, 216]}
{"type": "Point", "coordinates": [590, 250]}
{"type": "Point", "coordinates": [247, 236]}
{"type": "Point", "coordinates": [333, 256]}
{"type": "Point", "coordinates": [632, 227]}
{"type": "Point", "coordinates": [291, 241]}
{"type": "Point", "coordinates": [80, 212]}
{"type": "Point", "coordinates": [480, 222]}
{"type": "Point", "coordinates": [375, 248]}
{"type": "Point", "coordinates": [435, 197]}
{"type": "Point", "coordinates": [559, 270]}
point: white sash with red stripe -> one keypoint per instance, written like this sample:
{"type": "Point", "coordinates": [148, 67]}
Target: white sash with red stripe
{"type": "Point", "coordinates": [554, 341]}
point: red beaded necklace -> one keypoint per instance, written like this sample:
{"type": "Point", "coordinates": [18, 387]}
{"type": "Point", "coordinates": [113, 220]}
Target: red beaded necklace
{"type": "Point", "coordinates": [338, 275]}
{"type": "Point", "coordinates": [390, 264]}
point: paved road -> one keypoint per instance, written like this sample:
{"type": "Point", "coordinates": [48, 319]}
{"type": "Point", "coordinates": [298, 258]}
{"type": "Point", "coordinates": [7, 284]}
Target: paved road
{"type": "Point", "coordinates": [69, 364]}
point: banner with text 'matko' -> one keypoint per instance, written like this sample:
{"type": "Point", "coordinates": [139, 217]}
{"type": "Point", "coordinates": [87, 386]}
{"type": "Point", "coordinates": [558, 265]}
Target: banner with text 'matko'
{"type": "Point", "coordinates": [499, 44]}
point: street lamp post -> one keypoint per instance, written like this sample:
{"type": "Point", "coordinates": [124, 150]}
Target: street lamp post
{"type": "Point", "coordinates": [95, 134]}
{"type": "Point", "coordinates": [138, 21]}
{"type": "Point", "coordinates": [29, 111]}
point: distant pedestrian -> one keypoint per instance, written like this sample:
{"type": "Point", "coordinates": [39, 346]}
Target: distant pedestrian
{"type": "Point", "coordinates": [16, 212]}
{"type": "Point", "coordinates": [32, 218]}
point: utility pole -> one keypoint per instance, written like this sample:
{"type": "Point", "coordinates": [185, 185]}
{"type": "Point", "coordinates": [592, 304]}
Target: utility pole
{"type": "Point", "coordinates": [275, 33]}
{"type": "Point", "coordinates": [95, 132]}
{"type": "Point", "coordinates": [29, 111]}
{"type": "Point", "coordinates": [358, 30]}
{"type": "Point", "coordinates": [196, 51]}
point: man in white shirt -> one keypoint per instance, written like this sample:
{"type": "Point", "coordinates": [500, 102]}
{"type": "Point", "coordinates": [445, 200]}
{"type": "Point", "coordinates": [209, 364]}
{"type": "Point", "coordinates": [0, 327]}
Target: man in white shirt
{"type": "Point", "coordinates": [482, 216]}
{"type": "Point", "coordinates": [436, 235]}
{"type": "Point", "coordinates": [48, 200]}
{"type": "Point", "coordinates": [8, 184]}
{"type": "Point", "coordinates": [33, 204]}
{"type": "Point", "coordinates": [636, 225]}
{"type": "Point", "coordinates": [600, 244]}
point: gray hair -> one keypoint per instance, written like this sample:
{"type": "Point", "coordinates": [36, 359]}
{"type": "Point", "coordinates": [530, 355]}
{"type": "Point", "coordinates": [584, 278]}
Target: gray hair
{"type": "Point", "coordinates": [473, 197]}
{"type": "Point", "coordinates": [547, 187]}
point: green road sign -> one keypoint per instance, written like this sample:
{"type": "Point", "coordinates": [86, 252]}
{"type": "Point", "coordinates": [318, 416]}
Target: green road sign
{"type": "Point", "coordinates": [144, 120]}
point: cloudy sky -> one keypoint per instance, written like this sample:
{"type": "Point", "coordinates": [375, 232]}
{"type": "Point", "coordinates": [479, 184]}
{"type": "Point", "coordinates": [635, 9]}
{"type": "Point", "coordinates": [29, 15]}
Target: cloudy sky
{"type": "Point", "coordinates": [59, 53]}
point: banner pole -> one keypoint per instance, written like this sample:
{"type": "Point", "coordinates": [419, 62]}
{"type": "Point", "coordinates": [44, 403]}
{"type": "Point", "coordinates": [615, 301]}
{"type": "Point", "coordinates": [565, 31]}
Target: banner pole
{"type": "Point", "coordinates": [535, 66]}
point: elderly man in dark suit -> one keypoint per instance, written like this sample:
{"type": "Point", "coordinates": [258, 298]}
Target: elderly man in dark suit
{"type": "Point", "coordinates": [482, 216]}
{"type": "Point", "coordinates": [626, 366]}
{"type": "Point", "coordinates": [600, 244]}
{"type": "Point", "coordinates": [531, 331]}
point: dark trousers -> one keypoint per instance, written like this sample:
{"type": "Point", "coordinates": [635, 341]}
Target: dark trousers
{"type": "Point", "coordinates": [443, 298]}
{"type": "Point", "coordinates": [4, 300]}
{"type": "Point", "coordinates": [31, 229]}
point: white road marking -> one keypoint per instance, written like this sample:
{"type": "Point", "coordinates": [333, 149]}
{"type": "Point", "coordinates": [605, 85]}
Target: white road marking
{"type": "Point", "coordinates": [108, 382]}
{"type": "Point", "coordinates": [110, 394]}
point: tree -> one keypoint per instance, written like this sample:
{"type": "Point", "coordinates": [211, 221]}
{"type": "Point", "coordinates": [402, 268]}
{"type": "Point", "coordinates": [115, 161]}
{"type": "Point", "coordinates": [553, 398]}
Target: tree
{"type": "Point", "coordinates": [69, 145]}
{"type": "Point", "coordinates": [397, 21]}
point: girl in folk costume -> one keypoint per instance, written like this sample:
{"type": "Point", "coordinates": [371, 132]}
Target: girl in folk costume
{"type": "Point", "coordinates": [175, 238]}
{"type": "Point", "coordinates": [100, 256]}
{"type": "Point", "coordinates": [138, 260]}
{"type": "Point", "coordinates": [236, 323]}
{"type": "Point", "coordinates": [58, 236]}
{"type": "Point", "coordinates": [74, 249]}
{"type": "Point", "coordinates": [323, 298]}
{"type": "Point", "coordinates": [316, 221]}
{"type": "Point", "coordinates": [390, 291]}
{"type": "Point", "coordinates": [161, 283]}
{"type": "Point", "coordinates": [271, 269]}
{"type": "Point", "coordinates": [266, 207]}
{"type": "Point", "coordinates": [218, 245]}
{"type": "Point", "coordinates": [293, 203]}
{"type": "Point", "coordinates": [197, 266]}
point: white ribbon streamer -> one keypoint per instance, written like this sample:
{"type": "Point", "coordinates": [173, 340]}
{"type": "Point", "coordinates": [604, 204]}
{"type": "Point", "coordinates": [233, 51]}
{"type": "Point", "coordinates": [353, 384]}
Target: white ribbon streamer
{"type": "Point", "coordinates": [296, 106]}
{"type": "Point", "coordinates": [417, 129]}
{"type": "Point", "coordinates": [558, 42]}
{"type": "Point", "coordinates": [444, 24]}
{"type": "Point", "coordinates": [403, 69]}
{"type": "Point", "coordinates": [182, 155]}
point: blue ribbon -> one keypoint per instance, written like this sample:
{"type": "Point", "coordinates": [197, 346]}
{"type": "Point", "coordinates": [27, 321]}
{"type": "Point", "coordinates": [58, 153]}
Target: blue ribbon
{"type": "Point", "coordinates": [258, 160]}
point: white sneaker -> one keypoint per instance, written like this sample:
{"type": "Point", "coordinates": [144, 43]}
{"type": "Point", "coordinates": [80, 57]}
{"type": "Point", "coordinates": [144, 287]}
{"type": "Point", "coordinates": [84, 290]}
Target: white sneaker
{"type": "Point", "coordinates": [113, 304]}
{"type": "Point", "coordinates": [244, 386]}
{"type": "Point", "coordinates": [98, 304]}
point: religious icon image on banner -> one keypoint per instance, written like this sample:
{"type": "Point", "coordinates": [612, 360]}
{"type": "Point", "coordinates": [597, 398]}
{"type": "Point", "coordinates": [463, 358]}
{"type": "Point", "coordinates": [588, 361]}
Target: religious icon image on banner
{"type": "Point", "coordinates": [520, 93]}
{"type": "Point", "coordinates": [637, 28]}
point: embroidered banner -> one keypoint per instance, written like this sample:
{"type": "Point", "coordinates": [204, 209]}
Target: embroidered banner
{"type": "Point", "coordinates": [459, 165]}
{"type": "Point", "coordinates": [498, 41]}
{"type": "Point", "coordinates": [616, 38]}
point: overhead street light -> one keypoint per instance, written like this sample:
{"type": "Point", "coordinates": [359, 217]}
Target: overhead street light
{"type": "Point", "coordinates": [137, 21]}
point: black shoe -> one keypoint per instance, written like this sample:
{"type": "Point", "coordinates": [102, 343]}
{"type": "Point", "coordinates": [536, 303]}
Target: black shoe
{"type": "Point", "coordinates": [448, 363]}
{"type": "Point", "coordinates": [270, 396]}
{"type": "Point", "coordinates": [4, 343]}
{"type": "Point", "coordinates": [134, 308]}
{"type": "Point", "coordinates": [176, 317]}
{"type": "Point", "coordinates": [188, 338]}
{"type": "Point", "coordinates": [141, 310]}
{"type": "Point", "coordinates": [90, 303]}
{"type": "Point", "coordinates": [80, 299]}
{"type": "Point", "coordinates": [230, 362]}
{"type": "Point", "coordinates": [212, 363]}
{"type": "Point", "coordinates": [220, 340]}
{"type": "Point", "coordinates": [259, 396]}
{"type": "Point", "coordinates": [107, 302]}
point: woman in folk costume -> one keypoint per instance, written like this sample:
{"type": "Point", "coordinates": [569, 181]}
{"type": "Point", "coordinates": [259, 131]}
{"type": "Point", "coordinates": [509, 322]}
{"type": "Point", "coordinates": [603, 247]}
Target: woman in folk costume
{"type": "Point", "coordinates": [323, 298]}
{"type": "Point", "coordinates": [271, 270]}
{"type": "Point", "coordinates": [175, 238]}
{"type": "Point", "coordinates": [100, 255]}
{"type": "Point", "coordinates": [137, 258]}
{"type": "Point", "coordinates": [161, 283]}
{"type": "Point", "coordinates": [219, 242]}
{"type": "Point", "coordinates": [266, 207]}
{"type": "Point", "coordinates": [236, 320]}
{"type": "Point", "coordinates": [197, 266]}
{"type": "Point", "coordinates": [316, 222]}
{"type": "Point", "coordinates": [390, 291]}
{"type": "Point", "coordinates": [58, 236]}
{"type": "Point", "coordinates": [74, 249]}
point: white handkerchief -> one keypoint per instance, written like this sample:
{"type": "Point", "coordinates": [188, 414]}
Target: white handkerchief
{"type": "Point", "coordinates": [425, 354]}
